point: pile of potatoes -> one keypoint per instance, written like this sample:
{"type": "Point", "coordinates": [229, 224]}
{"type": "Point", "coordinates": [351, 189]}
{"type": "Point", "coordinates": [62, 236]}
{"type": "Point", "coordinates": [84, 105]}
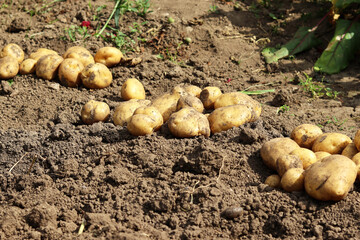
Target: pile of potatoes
{"type": "Point", "coordinates": [183, 110]}
{"type": "Point", "coordinates": [324, 164]}
{"type": "Point", "coordinates": [75, 67]}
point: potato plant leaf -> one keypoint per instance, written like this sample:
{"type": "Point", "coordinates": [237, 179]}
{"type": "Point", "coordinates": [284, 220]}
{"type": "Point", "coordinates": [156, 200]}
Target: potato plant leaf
{"type": "Point", "coordinates": [341, 4]}
{"type": "Point", "coordinates": [341, 49]}
{"type": "Point", "coordinates": [304, 39]}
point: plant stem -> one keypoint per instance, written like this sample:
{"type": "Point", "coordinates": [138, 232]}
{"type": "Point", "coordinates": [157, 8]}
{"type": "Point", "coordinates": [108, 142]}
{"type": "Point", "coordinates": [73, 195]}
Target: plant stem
{"type": "Point", "coordinates": [107, 22]}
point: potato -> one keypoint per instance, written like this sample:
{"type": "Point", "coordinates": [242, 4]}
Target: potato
{"type": "Point", "coordinates": [356, 160]}
{"type": "Point", "coordinates": [190, 101]}
{"type": "Point", "coordinates": [14, 51]}
{"type": "Point", "coordinates": [81, 54]}
{"type": "Point", "coordinates": [209, 95]}
{"type": "Point", "coordinates": [234, 98]}
{"type": "Point", "coordinates": [275, 148]}
{"type": "Point", "coordinates": [27, 66]}
{"type": "Point", "coordinates": [109, 56]}
{"type": "Point", "coordinates": [273, 181]}
{"type": "Point", "coordinates": [222, 119]}
{"type": "Point", "coordinates": [357, 139]}
{"type": "Point", "coordinates": [96, 75]}
{"type": "Point", "coordinates": [350, 150]}
{"type": "Point", "coordinates": [293, 180]}
{"type": "Point", "coordinates": [69, 72]}
{"type": "Point", "coordinates": [166, 104]}
{"type": "Point", "coordinates": [184, 89]}
{"type": "Point", "coordinates": [320, 155]}
{"type": "Point", "coordinates": [125, 110]}
{"type": "Point", "coordinates": [41, 52]}
{"type": "Point", "coordinates": [152, 112]}
{"type": "Point", "coordinates": [331, 178]}
{"type": "Point", "coordinates": [305, 135]}
{"type": "Point", "coordinates": [188, 122]}
{"type": "Point", "coordinates": [333, 143]}
{"type": "Point", "coordinates": [132, 89]}
{"type": "Point", "coordinates": [47, 66]}
{"type": "Point", "coordinates": [285, 162]}
{"type": "Point", "coordinates": [306, 156]}
{"type": "Point", "coordinates": [141, 124]}
{"type": "Point", "coordinates": [95, 111]}
{"type": "Point", "coordinates": [9, 67]}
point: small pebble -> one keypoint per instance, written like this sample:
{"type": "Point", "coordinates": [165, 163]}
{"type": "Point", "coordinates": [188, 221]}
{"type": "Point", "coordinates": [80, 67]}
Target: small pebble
{"type": "Point", "coordinates": [232, 212]}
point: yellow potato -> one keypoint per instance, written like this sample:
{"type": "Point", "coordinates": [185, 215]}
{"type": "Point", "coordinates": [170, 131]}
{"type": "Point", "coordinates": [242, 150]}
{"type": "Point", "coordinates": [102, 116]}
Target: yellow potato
{"type": "Point", "coordinates": [132, 89]}
{"type": "Point", "coordinates": [14, 51]}
{"type": "Point", "coordinates": [41, 52]}
{"type": "Point", "coordinates": [209, 95]}
{"type": "Point", "coordinates": [188, 122]}
{"type": "Point", "coordinates": [81, 54]}
{"type": "Point", "coordinates": [47, 66]}
{"type": "Point", "coordinates": [9, 67]}
{"type": "Point", "coordinates": [293, 180]}
{"type": "Point", "coordinates": [331, 178]}
{"type": "Point", "coordinates": [190, 101]}
{"type": "Point", "coordinates": [333, 143]}
{"type": "Point", "coordinates": [320, 155]}
{"type": "Point", "coordinates": [109, 56]}
{"type": "Point", "coordinates": [152, 112]}
{"type": "Point", "coordinates": [357, 139]}
{"type": "Point", "coordinates": [96, 75]}
{"type": "Point", "coordinates": [275, 148]}
{"type": "Point", "coordinates": [350, 150]}
{"type": "Point", "coordinates": [125, 110]}
{"type": "Point", "coordinates": [95, 111]}
{"type": "Point", "coordinates": [222, 119]}
{"type": "Point", "coordinates": [273, 181]}
{"type": "Point", "coordinates": [305, 135]}
{"type": "Point", "coordinates": [306, 156]}
{"type": "Point", "coordinates": [285, 162]}
{"type": "Point", "coordinates": [234, 98]}
{"type": "Point", "coordinates": [141, 124]}
{"type": "Point", "coordinates": [184, 89]}
{"type": "Point", "coordinates": [69, 72]}
{"type": "Point", "coordinates": [166, 104]}
{"type": "Point", "coordinates": [27, 66]}
{"type": "Point", "coordinates": [356, 160]}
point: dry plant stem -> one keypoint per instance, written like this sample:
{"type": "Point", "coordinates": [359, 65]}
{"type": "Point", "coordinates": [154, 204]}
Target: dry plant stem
{"type": "Point", "coordinates": [82, 227]}
{"type": "Point", "coordinates": [17, 162]}
{"type": "Point", "coordinates": [208, 185]}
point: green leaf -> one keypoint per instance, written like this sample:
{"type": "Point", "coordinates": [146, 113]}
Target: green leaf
{"type": "Point", "coordinates": [344, 3]}
{"type": "Point", "coordinates": [341, 49]}
{"type": "Point", "coordinates": [258, 92]}
{"type": "Point", "coordinates": [304, 39]}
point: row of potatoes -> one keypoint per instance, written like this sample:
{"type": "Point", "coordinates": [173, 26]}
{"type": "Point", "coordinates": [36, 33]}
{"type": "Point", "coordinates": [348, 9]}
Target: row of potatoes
{"type": "Point", "coordinates": [75, 67]}
{"type": "Point", "coordinates": [182, 110]}
{"type": "Point", "coordinates": [324, 164]}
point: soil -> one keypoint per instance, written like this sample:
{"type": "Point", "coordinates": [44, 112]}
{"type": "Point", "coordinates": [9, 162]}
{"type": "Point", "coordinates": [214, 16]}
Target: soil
{"type": "Point", "coordinates": [58, 175]}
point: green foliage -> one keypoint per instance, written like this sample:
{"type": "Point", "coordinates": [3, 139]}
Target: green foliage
{"type": "Point", "coordinates": [317, 89]}
{"type": "Point", "coordinates": [282, 109]}
{"type": "Point", "coordinates": [75, 33]}
{"type": "Point", "coordinates": [44, 8]}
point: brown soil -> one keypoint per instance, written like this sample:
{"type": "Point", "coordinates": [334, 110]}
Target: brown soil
{"type": "Point", "coordinates": [158, 186]}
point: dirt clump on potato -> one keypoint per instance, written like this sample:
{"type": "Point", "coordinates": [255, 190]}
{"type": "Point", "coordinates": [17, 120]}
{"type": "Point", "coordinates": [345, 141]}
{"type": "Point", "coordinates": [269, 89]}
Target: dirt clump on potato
{"type": "Point", "coordinates": [9, 67]}
{"type": "Point", "coordinates": [305, 135]}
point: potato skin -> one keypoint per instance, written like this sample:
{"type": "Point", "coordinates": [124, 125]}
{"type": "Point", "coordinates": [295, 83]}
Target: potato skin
{"type": "Point", "coordinates": [125, 110]}
{"type": "Point", "coordinates": [357, 140]}
{"type": "Point", "coordinates": [350, 150]}
{"type": "Point", "coordinates": [109, 56]}
{"type": "Point", "coordinates": [96, 76]}
{"type": "Point", "coordinates": [184, 89]}
{"type": "Point", "coordinates": [47, 66]}
{"type": "Point", "coordinates": [132, 89]}
{"type": "Point", "coordinates": [69, 72]}
{"type": "Point", "coordinates": [333, 143]}
{"type": "Point", "coordinates": [275, 148]}
{"type": "Point", "coordinates": [188, 123]}
{"type": "Point", "coordinates": [27, 66]}
{"type": "Point", "coordinates": [152, 112]}
{"type": "Point", "coordinates": [209, 95]}
{"type": "Point", "coordinates": [41, 52]}
{"type": "Point", "coordinates": [222, 119]}
{"type": "Point", "coordinates": [234, 98]}
{"type": "Point", "coordinates": [285, 162]}
{"type": "Point", "coordinates": [9, 67]}
{"type": "Point", "coordinates": [331, 178]}
{"type": "Point", "coordinates": [95, 111]}
{"type": "Point", "coordinates": [293, 180]}
{"type": "Point", "coordinates": [306, 156]}
{"type": "Point", "coordinates": [14, 51]}
{"type": "Point", "coordinates": [305, 135]}
{"type": "Point", "coordinates": [141, 125]}
{"type": "Point", "coordinates": [81, 54]}
{"type": "Point", "coordinates": [320, 155]}
{"type": "Point", "coordinates": [190, 101]}
{"type": "Point", "coordinates": [166, 104]}
{"type": "Point", "coordinates": [273, 181]}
